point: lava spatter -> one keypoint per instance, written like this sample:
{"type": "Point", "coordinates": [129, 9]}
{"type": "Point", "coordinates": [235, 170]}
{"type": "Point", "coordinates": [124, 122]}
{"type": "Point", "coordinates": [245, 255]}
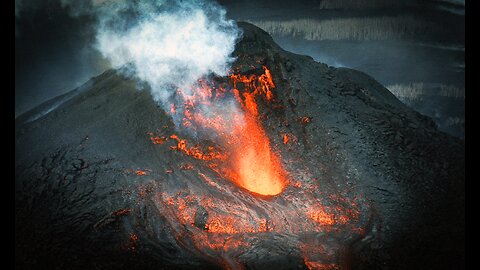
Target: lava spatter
{"type": "Point", "coordinates": [248, 159]}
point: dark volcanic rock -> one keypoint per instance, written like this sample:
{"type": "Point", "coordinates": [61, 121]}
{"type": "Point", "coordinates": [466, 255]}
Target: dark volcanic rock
{"type": "Point", "coordinates": [201, 217]}
{"type": "Point", "coordinates": [80, 205]}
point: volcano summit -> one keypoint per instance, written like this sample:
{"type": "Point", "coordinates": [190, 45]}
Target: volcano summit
{"type": "Point", "coordinates": [303, 166]}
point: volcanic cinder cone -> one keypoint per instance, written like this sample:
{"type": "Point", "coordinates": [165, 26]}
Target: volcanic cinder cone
{"type": "Point", "coordinates": [105, 180]}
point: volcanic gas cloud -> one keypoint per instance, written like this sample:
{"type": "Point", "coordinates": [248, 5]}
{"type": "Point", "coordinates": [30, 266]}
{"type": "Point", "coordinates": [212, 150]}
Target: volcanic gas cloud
{"type": "Point", "coordinates": [246, 157]}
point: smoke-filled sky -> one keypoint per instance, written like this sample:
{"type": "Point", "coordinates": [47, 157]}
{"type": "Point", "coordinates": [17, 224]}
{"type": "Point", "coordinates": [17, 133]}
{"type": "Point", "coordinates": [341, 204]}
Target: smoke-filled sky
{"type": "Point", "coordinates": [60, 44]}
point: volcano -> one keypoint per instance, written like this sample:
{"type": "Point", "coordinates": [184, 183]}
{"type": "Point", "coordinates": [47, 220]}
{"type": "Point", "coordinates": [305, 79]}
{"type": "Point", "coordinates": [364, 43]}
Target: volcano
{"type": "Point", "coordinates": [325, 169]}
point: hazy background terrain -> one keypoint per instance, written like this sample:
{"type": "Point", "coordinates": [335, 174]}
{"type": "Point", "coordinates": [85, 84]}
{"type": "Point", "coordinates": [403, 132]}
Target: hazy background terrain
{"type": "Point", "coordinates": [415, 48]}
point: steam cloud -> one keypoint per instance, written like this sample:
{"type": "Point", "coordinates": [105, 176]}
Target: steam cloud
{"type": "Point", "coordinates": [167, 44]}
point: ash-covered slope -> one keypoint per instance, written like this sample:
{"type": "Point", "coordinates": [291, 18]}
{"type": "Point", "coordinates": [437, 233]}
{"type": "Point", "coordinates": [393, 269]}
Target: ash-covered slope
{"type": "Point", "coordinates": [91, 187]}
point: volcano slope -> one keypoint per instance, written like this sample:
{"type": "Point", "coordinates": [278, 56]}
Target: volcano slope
{"type": "Point", "coordinates": [101, 183]}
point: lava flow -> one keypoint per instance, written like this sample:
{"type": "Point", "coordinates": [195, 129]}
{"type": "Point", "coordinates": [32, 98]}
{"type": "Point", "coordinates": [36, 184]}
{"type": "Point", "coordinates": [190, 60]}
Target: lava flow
{"type": "Point", "coordinates": [221, 223]}
{"type": "Point", "coordinates": [231, 118]}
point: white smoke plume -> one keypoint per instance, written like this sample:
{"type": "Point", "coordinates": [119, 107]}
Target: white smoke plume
{"type": "Point", "coordinates": [167, 44]}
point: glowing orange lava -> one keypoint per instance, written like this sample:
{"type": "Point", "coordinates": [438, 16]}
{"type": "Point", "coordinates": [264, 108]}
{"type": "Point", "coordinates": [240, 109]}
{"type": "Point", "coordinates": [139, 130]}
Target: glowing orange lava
{"type": "Point", "coordinates": [232, 143]}
{"type": "Point", "coordinates": [248, 160]}
{"type": "Point", "coordinates": [285, 138]}
{"type": "Point", "coordinates": [156, 139]}
{"type": "Point", "coordinates": [254, 166]}
{"type": "Point", "coordinates": [140, 173]}
{"type": "Point", "coordinates": [321, 217]}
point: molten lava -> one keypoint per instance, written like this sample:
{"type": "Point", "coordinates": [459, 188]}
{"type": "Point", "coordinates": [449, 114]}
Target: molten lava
{"type": "Point", "coordinates": [254, 166]}
{"type": "Point", "coordinates": [232, 118]}
{"type": "Point", "coordinates": [157, 139]}
{"type": "Point", "coordinates": [222, 223]}
{"type": "Point", "coordinates": [140, 172]}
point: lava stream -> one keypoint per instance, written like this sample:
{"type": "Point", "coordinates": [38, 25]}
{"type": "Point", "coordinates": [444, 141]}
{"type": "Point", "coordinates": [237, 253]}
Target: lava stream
{"type": "Point", "coordinates": [232, 118]}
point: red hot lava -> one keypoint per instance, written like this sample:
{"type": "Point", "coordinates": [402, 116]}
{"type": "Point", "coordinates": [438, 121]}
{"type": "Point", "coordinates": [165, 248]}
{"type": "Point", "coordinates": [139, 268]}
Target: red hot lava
{"type": "Point", "coordinates": [249, 160]}
{"type": "Point", "coordinates": [241, 152]}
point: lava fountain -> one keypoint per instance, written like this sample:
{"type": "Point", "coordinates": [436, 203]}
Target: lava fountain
{"type": "Point", "coordinates": [231, 118]}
